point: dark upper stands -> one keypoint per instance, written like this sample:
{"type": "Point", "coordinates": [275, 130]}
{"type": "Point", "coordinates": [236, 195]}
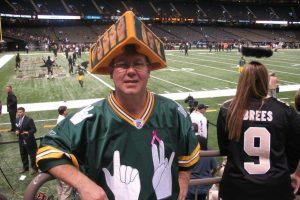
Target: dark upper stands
{"type": "Point", "coordinates": [176, 30]}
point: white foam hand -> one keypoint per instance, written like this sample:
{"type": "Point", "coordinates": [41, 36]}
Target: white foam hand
{"type": "Point", "coordinates": [125, 182]}
{"type": "Point", "coordinates": [81, 115]}
{"type": "Point", "coordinates": [162, 178]}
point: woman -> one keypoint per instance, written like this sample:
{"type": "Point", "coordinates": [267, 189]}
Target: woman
{"type": "Point", "coordinates": [254, 132]}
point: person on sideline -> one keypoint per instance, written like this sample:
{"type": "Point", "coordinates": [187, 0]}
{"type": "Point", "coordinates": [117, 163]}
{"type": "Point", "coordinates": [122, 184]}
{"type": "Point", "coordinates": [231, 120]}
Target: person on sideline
{"type": "Point", "coordinates": [11, 102]}
{"type": "Point", "coordinates": [241, 64]}
{"type": "Point", "coordinates": [80, 75]}
{"type": "Point", "coordinates": [197, 117]}
{"type": "Point", "coordinates": [28, 147]}
{"type": "Point", "coordinates": [273, 84]}
{"type": "Point", "coordinates": [131, 145]}
{"type": "Point", "coordinates": [258, 134]}
{"type": "Point", "coordinates": [297, 100]}
{"type": "Point", "coordinates": [64, 191]}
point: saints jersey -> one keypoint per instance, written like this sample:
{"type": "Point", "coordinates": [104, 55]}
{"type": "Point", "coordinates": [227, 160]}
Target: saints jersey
{"type": "Point", "coordinates": [105, 141]}
{"type": "Point", "coordinates": [258, 164]}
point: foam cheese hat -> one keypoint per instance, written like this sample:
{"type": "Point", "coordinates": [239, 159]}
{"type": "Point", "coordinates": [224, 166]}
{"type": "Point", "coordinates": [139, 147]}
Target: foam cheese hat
{"type": "Point", "coordinates": [127, 30]}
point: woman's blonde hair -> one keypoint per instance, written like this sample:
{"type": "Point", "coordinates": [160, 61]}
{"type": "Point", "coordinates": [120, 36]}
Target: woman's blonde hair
{"type": "Point", "coordinates": [253, 83]}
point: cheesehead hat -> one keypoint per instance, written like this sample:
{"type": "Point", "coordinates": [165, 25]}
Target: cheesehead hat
{"type": "Point", "coordinates": [127, 30]}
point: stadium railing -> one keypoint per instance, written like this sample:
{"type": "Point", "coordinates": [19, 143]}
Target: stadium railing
{"type": "Point", "coordinates": [42, 178]}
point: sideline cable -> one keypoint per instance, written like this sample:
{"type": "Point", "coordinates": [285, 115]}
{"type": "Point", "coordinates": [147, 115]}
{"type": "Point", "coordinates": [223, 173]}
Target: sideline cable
{"type": "Point", "coordinates": [10, 186]}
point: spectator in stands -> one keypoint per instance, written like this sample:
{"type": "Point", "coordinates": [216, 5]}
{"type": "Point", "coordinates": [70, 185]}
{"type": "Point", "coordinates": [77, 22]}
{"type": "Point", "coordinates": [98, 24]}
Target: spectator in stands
{"type": "Point", "coordinates": [18, 62]}
{"type": "Point", "coordinates": [297, 100]}
{"type": "Point", "coordinates": [273, 85]}
{"type": "Point", "coordinates": [257, 134]}
{"type": "Point", "coordinates": [205, 168]}
{"type": "Point", "coordinates": [25, 131]}
{"type": "Point", "coordinates": [11, 103]}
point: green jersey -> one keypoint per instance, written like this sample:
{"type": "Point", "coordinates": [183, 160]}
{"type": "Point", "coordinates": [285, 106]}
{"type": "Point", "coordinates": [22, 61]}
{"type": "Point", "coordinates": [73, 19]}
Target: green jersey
{"type": "Point", "coordinates": [130, 157]}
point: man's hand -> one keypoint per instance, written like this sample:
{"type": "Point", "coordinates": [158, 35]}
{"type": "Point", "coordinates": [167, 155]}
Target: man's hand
{"type": "Point", "coordinates": [125, 182]}
{"type": "Point", "coordinates": [87, 189]}
{"type": "Point", "coordinates": [92, 192]}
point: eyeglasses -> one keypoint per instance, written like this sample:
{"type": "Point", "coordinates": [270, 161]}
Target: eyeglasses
{"type": "Point", "coordinates": [136, 65]}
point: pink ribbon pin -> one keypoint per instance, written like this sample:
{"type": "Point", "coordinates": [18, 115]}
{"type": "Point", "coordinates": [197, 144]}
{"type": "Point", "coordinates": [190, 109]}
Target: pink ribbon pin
{"type": "Point", "coordinates": [154, 137]}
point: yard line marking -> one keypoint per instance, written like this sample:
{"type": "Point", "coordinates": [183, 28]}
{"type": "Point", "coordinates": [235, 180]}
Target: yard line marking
{"type": "Point", "coordinates": [208, 76]}
{"type": "Point", "coordinates": [264, 60]}
{"type": "Point", "coordinates": [4, 59]}
{"type": "Point", "coordinates": [172, 83]}
{"type": "Point", "coordinates": [234, 71]}
{"type": "Point", "coordinates": [167, 92]}
{"type": "Point", "coordinates": [99, 79]}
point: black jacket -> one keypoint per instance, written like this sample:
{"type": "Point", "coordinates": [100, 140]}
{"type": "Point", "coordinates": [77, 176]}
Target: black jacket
{"type": "Point", "coordinates": [27, 125]}
{"type": "Point", "coordinates": [11, 102]}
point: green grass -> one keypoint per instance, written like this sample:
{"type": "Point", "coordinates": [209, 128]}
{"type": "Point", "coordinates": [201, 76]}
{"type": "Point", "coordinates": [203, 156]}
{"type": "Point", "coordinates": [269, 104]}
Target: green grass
{"type": "Point", "coordinates": [197, 72]}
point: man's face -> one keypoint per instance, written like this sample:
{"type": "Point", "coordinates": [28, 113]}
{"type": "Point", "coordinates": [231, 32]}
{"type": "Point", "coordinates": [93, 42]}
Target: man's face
{"type": "Point", "coordinates": [130, 74]}
{"type": "Point", "coordinates": [7, 89]}
{"type": "Point", "coordinates": [20, 113]}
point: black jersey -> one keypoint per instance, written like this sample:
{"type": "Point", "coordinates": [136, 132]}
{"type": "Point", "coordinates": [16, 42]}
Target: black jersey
{"type": "Point", "coordinates": [257, 165]}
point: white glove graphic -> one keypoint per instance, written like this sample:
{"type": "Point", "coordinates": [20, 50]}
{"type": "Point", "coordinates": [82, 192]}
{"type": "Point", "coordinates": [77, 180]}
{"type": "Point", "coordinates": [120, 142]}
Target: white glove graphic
{"type": "Point", "coordinates": [81, 115]}
{"type": "Point", "coordinates": [125, 182]}
{"type": "Point", "coordinates": [162, 178]}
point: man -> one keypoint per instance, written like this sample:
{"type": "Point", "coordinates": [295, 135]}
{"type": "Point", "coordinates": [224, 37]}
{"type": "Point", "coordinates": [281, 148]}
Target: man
{"type": "Point", "coordinates": [11, 106]}
{"type": "Point", "coordinates": [273, 85]}
{"type": "Point", "coordinates": [62, 113]}
{"type": "Point", "coordinates": [64, 191]}
{"type": "Point", "coordinates": [80, 75]}
{"type": "Point", "coordinates": [27, 144]}
{"type": "Point", "coordinates": [133, 144]}
{"type": "Point", "coordinates": [49, 64]}
{"type": "Point", "coordinates": [197, 117]}
{"type": "Point", "coordinates": [18, 62]}
{"type": "Point", "coordinates": [242, 62]}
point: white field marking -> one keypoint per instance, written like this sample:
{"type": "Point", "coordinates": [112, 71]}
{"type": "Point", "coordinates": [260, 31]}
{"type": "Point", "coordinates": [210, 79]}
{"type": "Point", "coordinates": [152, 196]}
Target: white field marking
{"type": "Point", "coordinates": [32, 107]}
{"type": "Point", "coordinates": [229, 70]}
{"type": "Point", "coordinates": [209, 77]}
{"type": "Point", "coordinates": [296, 65]}
{"type": "Point", "coordinates": [209, 60]}
{"type": "Point", "coordinates": [40, 120]}
{"type": "Point", "coordinates": [179, 91]}
{"type": "Point", "coordinates": [284, 98]}
{"type": "Point", "coordinates": [167, 92]}
{"type": "Point", "coordinates": [288, 82]}
{"type": "Point", "coordinates": [282, 66]}
{"type": "Point", "coordinates": [99, 79]}
{"type": "Point", "coordinates": [216, 88]}
{"type": "Point", "coordinates": [4, 59]}
{"type": "Point", "coordinates": [234, 71]}
{"type": "Point", "coordinates": [204, 89]}
{"type": "Point", "coordinates": [172, 83]}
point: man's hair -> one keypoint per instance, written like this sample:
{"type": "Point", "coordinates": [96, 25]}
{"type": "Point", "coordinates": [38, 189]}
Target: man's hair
{"type": "Point", "coordinates": [62, 109]}
{"type": "Point", "coordinates": [21, 108]}
{"type": "Point", "coordinates": [9, 86]}
{"type": "Point", "coordinates": [253, 83]}
{"type": "Point", "coordinates": [297, 100]}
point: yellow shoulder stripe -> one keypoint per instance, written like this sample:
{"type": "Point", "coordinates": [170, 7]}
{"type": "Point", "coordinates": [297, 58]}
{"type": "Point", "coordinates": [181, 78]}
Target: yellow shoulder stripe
{"type": "Point", "coordinates": [49, 152]}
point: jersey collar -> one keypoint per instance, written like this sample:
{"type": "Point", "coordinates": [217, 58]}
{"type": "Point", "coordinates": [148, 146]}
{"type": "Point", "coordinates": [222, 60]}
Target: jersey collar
{"type": "Point", "coordinates": [137, 121]}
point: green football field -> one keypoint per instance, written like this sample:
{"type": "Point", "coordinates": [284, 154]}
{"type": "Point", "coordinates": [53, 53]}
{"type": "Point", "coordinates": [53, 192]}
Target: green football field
{"type": "Point", "coordinates": [199, 71]}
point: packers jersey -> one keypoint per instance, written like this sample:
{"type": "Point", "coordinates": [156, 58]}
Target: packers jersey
{"type": "Point", "coordinates": [258, 164]}
{"type": "Point", "coordinates": [106, 142]}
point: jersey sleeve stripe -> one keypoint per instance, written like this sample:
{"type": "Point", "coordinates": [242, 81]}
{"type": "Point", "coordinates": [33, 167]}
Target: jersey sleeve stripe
{"type": "Point", "coordinates": [187, 161]}
{"type": "Point", "coordinates": [49, 152]}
